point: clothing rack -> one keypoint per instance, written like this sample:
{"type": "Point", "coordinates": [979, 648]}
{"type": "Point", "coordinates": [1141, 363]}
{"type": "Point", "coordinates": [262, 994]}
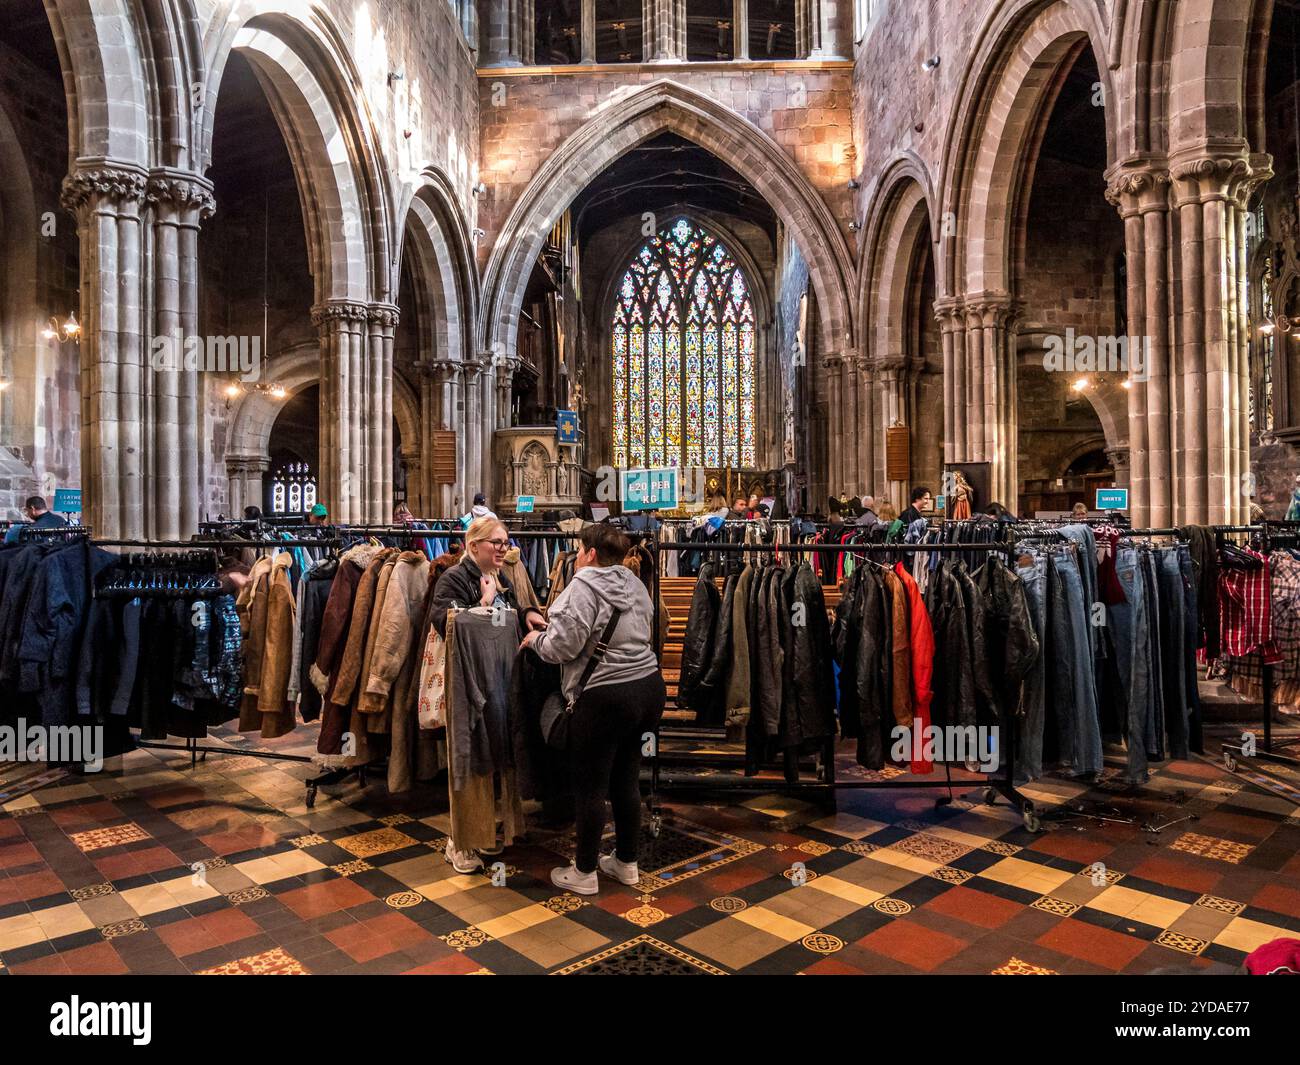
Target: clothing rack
{"type": "Point", "coordinates": [994, 785]}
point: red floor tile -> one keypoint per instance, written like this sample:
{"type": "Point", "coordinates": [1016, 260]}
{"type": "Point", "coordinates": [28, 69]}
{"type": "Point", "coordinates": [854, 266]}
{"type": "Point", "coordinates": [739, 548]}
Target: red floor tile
{"type": "Point", "coordinates": [137, 863]}
{"type": "Point", "coordinates": [29, 886]}
{"type": "Point", "coordinates": [1087, 942]}
{"type": "Point", "coordinates": [97, 959]}
{"type": "Point", "coordinates": [831, 967]}
{"type": "Point", "coordinates": [912, 943]}
{"type": "Point", "coordinates": [976, 907]}
{"type": "Point", "coordinates": [1077, 848]}
{"type": "Point", "coordinates": [1179, 874]}
{"type": "Point", "coordinates": [360, 943]}
{"type": "Point", "coordinates": [253, 837]}
{"type": "Point", "coordinates": [399, 931]}
{"type": "Point", "coordinates": [456, 965]}
{"type": "Point", "coordinates": [13, 855]}
{"type": "Point", "coordinates": [52, 965]}
{"type": "Point", "coordinates": [1279, 899]}
{"type": "Point", "coordinates": [315, 900]}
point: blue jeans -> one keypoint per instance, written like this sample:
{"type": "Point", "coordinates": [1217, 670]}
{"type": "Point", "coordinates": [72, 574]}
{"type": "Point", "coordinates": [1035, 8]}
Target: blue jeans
{"type": "Point", "coordinates": [1129, 630]}
{"type": "Point", "coordinates": [1172, 649]}
{"type": "Point", "coordinates": [1033, 702]}
{"type": "Point", "coordinates": [1155, 724]}
{"type": "Point", "coordinates": [1082, 535]}
{"type": "Point", "coordinates": [1190, 615]}
{"type": "Point", "coordinates": [1078, 723]}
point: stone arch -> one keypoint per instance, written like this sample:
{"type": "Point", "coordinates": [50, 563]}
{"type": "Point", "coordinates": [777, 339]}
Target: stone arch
{"type": "Point", "coordinates": [313, 90]}
{"type": "Point", "coordinates": [173, 37]}
{"type": "Point", "coordinates": [620, 126]}
{"type": "Point", "coordinates": [105, 80]}
{"type": "Point", "coordinates": [1217, 55]}
{"type": "Point", "coordinates": [901, 217]}
{"type": "Point", "coordinates": [991, 146]}
{"type": "Point", "coordinates": [437, 237]}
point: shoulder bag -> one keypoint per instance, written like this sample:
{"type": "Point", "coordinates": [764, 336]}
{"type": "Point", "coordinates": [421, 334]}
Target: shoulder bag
{"type": "Point", "coordinates": [557, 711]}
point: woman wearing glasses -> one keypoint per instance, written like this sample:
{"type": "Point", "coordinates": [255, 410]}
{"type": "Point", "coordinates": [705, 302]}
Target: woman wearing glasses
{"type": "Point", "coordinates": [477, 580]}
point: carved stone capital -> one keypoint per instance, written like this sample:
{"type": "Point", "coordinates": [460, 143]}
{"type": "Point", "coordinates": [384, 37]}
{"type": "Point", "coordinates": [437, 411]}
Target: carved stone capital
{"type": "Point", "coordinates": [90, 184]}
{"type": "Point", "coordinates": [444, 371]}
{"type": "Point", "coordinates": [336, 312]}
{"type": "Point", "coordinates": [1138, 185]}
{"type": "Point", "coordinates": [182, 191]}
{"type": "Point", "coordinates": [1215, 176]}
{"type": "Point", "coordinates": [385, 315]}
{"type": "Point", "coordinates": [949, 312]}
{"type": "Point", "coordinates": [247, 465]}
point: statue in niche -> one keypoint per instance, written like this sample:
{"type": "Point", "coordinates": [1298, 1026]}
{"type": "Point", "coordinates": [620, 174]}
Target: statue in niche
{"type": "Point", "coordinates": [561, 479]}
{"type": "Point", "coordinates": [534, 470]}
{"type": "Point", "coordinates": [788, 437]}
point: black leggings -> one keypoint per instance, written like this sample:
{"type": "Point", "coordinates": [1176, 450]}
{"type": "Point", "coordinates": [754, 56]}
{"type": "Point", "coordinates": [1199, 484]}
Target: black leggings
{"type": "Point", "coordinates": [606, 735]}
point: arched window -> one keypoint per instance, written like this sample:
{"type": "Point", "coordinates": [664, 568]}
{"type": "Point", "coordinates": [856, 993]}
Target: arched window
{"type": "Point", "coordinates": [683, 355]}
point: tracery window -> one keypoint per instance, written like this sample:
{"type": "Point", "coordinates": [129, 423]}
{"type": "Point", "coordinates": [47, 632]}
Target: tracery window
{"type": "Point", "coordinates": [293, 489]}
{"type": "Point", "coordinates": [683, 353]}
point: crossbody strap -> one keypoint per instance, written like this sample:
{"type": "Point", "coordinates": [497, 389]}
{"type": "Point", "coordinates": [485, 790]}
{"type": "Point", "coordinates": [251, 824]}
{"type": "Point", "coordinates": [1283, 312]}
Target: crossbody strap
{"type": "Point", "coordinates": [598, 653]}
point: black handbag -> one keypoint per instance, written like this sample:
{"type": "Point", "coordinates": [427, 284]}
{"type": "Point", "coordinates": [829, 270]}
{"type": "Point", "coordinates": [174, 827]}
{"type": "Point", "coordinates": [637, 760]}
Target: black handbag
{"type": "Point", "coordinates": [558, 711]}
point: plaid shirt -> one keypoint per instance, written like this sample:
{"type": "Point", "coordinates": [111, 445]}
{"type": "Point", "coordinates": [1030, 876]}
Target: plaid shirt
{"type": "Point", "coordinates": [1245, 612]}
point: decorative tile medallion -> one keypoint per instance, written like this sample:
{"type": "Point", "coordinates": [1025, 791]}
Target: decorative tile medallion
{"type": "Point", "coordinates": [1179, 941]}
{"type": "Point", "coordinates": [393, 820]}
{"type": "Point", "coordinates": [402, 900]}
{"type": "Point", "coordinates": [1016, 967]}
{"type": "Point", "coordinates": [645, 916]}
{"type": "Point", "coordinates": [642, 956]}
{"type": "Point", "coordinates": [1051, 904]}
{"type": "Point", "coordinates": [274, 962]}
{"type": "Point", "coordinates": [822, 943]}
{"type": "Point", "coordinates": [121, 929]}
{"type": "Point", "coordinates": [996, 846]}
{"type": "Point", "coordinates": [860, 847]}
{"type": "Point", "coordinates": [312, 840]}
{"type": "Point", "coordinates": [376, 841]}
{"type": "Point", "coordinates": [950, 875]}
{"type": "Point", "coordinates": [811, 846]}
{"type": "Point", "coordinates": [728, 904]}
{"type": "Point", "coordinates": [464, 939]}
{"type": "Point", "coordinates": [1222, 850]}
{"type": "Point", "coordinates": [1213, 902]}
{"type": "Point", "coordinates": [356, 865]}
{"type": "Point", "coordinates": [566, 903]}
{"type": "Point", "coordinates": [93, 891]}
{"type": "Point", "coordinates": [893, 907]}
{"type": "Point", "coordinates": [99, 838]}
{"type": "Point", "coordinates": [931, 848]}
{"type": "Point", "coordinates": [248, 894]}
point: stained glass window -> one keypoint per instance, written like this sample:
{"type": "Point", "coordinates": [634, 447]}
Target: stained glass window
{"type": "Point", "coordinates": [683, 355]}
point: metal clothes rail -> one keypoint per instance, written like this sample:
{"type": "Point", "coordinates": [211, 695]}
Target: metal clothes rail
{"type": "Point", "coordinates": [994, 784]}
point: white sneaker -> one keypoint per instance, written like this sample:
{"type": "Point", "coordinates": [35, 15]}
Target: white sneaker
{"type": "Point", "coordinates": [462, 861]}
{"type": "Point", "coordinates": [623, 872]}
{"type": "Point", "coordinates": [568, 877]}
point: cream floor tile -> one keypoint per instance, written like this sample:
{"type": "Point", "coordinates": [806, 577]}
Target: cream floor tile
{"type": "Point", "coordinates": [903, 860]}
{"type": "Point", "coordinates": [774, 923]}
{"type": "Point", "coordinates": [68, 793]}
{"type": "Point", "coordinates": [148, 898]}
{"type": "Point", "coordinates": [64, 920]}
{"type": "Point", "coordinates": [1027, 875]}
{"type": "Point", "coordinates": [518, 921]}
{"type": "Point", "coordinates": [21, 930]}
{"type": "Point", "coordinates": [1118, 900]}
{"type": "Point", "coordinates": [848, 825]}
{"type": "Point", "coordinates": [1246, 935]}
{"type": "Point", "coordinates": [842, 889]}
{"type": "Point", "coordinates": [1159, 912]}
{"type": "Point", "coordinates": [452, 885]}
{"type": "Point", "coordinates": [26, 802]}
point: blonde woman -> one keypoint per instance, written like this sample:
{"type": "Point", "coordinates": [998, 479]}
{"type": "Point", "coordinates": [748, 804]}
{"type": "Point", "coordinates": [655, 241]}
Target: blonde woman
{"type": "Point", "coordinates": [477, 580]}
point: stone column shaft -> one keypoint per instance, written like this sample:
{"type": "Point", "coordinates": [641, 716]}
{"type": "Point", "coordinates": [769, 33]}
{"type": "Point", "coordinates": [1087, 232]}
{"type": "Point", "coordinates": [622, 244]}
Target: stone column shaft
{"type": "Point", "coordinates": [107, 199]}
{"type": "Point", "coordinates": [663, 31]}
{"type": "Point", "coordinates": [740, 29]}
{"type": "Point", "coordinates": [588, 31]}
{"type": "Point", "coordinates": [343, 450]}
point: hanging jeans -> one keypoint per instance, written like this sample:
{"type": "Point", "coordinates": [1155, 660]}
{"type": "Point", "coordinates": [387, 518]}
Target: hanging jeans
{"type": "Point", "coordinates": [1156, 624]}
{"type": "Point", "coordinates": [1131, 635]}
{"type": "Point", "coordinates": [1172, 648]}
{"type": "Point", "coordinates": [1029, 760]}
{"type": "Point", "coordinates": [1191, 626]}
{"type": "Point", "coordinates": [1087, 557]}
{"type": "Point", "coordinates": [1079, 726]}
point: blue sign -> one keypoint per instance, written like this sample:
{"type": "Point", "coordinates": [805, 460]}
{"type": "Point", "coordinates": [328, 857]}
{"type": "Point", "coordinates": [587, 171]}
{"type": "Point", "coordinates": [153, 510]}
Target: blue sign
{"type": "Point", "coordinates": [1112, 499]}
{"type": "Point", "coordinates": [67, 501]}
{"type": "Point", "coordinates": [649, 489]}
{"type": "Point", "coordinates": [940, 502]}
{"type": "Point", "coordinates": [524, 504]}
{"type": "Point", "coordinates": [566, 426]}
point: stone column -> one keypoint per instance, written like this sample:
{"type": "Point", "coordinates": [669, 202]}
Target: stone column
{"type": "Point", "coordinates": [506, 365]}
{"type": "Point", "coordinates": [822, 28]}
{"type": "Point", "coordinates": [508, 33]}
{"type": "Point", "coordinates": [1119, 460]}
{"type": "Point", "coordinates": [245, 473]}
{"type": "Point", "coordinates": [343, 335]}
{"type": "Point", "coordinates": [853, 472]}
{"type": "Point", "coordinates": [588, 31]}
{"type": "Point", "coordinates": [1140, 191]}
{"type": "Point", "coordinates": [663, 31]}
{"type": "Point", "coordinates": [471, 424]}
{"type": "Point", "coordinates": [173, 414]}
{"type": "Point", "coordinates": [951, 316]}
{"type": "Point", "coordinates": [893, 376]}
{"type": "Point", "coordinates": [868, 426]}
{"type": "Point", "coordinates": [989, 382]}
{"type": "Point", "coordinates": [1215, 423]}
{"type": "Point", "coordinates": [106, 199]}
{"type": "Point", "coordinates": [740, 29]}
{"type": "Point", "coordinates": [834, 367]}
{"type": "Point", "coordinates": [447, 386]}
{"type": "Point", "coordinates": [378, 414]}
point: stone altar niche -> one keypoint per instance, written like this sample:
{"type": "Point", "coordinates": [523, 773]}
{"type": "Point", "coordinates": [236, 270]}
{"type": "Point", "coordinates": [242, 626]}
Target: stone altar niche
{"type": "Point", "coordinates": [530, 462]}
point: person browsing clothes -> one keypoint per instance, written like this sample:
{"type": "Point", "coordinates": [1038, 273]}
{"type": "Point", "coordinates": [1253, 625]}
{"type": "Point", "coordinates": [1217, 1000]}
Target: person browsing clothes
{"type": "Point", "coordinates": [477, 580]}
{"type": "Point", "coordinates": [621, 701]}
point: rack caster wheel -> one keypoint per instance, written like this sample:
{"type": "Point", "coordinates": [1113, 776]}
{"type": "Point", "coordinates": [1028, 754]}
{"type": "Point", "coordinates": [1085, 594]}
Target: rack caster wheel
{"type": "Point", "coordinates": [311, 798]}
{"type": "Point", "coordinates": [1229, 763]}
{"type": "Point", "coordinates": [656, 824]}
{"type": "Point", "coordinates": [1031, 819]}
{"type": "Point", "coordinates": [991, 796]}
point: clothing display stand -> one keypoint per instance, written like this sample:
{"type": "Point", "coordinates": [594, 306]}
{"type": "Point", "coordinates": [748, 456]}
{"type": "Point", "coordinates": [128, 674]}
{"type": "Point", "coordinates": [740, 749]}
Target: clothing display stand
{"type": "Point", "coordinates": [826, 787]}
{"type": "Point", "coordinates": [1272, 533]}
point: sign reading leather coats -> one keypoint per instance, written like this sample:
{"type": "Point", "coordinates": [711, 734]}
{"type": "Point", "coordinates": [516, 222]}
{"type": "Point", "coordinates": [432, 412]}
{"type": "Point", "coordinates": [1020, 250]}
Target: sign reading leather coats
{"type": "Point", "coordinates": [649, 489]}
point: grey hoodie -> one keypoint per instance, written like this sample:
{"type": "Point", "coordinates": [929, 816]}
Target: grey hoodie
{"type": "Point", "coordinates": [577, 619]}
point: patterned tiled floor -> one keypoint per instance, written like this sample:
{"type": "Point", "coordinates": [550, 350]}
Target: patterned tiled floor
{"type": "Point", "coordinates": [222, 870]}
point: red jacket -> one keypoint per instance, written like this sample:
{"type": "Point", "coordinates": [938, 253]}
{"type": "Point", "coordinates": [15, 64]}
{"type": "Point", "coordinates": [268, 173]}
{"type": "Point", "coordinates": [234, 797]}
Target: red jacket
{"type": "Point", "coordinates": [922, 661]}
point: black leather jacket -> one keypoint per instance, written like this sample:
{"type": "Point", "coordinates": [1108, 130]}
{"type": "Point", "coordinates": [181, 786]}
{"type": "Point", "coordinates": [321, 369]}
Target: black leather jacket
{"type": "Point", "coordinates": [810, 689]}
{"type": "Point", "coordinates": [1010, 639]}
{"type": "Point", "coordinates": [954, 679]}
{"type": "Point", "coordinates": [698, 645]}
